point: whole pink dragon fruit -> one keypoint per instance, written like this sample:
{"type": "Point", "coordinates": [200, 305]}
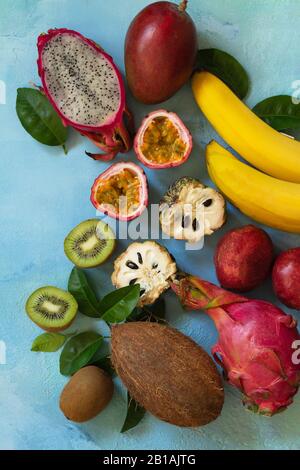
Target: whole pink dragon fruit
{"type": "Point", "coordinates": [255, 344]}
{"type": "Point", "coordinates": [86, 89]}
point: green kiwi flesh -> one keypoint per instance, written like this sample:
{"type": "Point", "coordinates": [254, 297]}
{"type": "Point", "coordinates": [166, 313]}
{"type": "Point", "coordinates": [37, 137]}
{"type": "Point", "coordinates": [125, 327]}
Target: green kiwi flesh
{"type": "Point", "coordinates": [90, 243]}
{"type": "Point", "coordinates": [52, 309]}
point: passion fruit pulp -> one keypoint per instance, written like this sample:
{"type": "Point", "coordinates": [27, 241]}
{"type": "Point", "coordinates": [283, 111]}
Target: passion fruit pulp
{"type": "Point", "coordinates": [124, 184]}
{"type": "Point", "coordinates": [121, 191]}
{"type": "Point", "coordinates": [163, 140]}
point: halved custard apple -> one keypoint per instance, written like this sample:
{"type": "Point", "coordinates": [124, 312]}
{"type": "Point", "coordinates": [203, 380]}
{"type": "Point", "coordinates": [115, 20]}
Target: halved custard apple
{"type": "Point", "coordinates": [190, 210]}
{"type": "Point", "coordinates": [148, 264]}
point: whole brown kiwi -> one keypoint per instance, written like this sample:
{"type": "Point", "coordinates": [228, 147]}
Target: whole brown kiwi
{"type": "Point", "coordinates": [86, 394]}
{"type": "Point", "coordinates": [167, 373]}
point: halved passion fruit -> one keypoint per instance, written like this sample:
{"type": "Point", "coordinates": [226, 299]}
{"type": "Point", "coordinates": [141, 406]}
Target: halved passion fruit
{"type": "Point", "coordinates": [121, 191]}
{"type": "Point", "coordinates": [162, 141]}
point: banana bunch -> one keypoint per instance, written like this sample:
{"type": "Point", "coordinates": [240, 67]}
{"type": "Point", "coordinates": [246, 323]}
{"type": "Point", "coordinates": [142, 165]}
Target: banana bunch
{"type": "Point", "coordinates": [263, 198]}
{"type": "Point", "coordinates": [272, 200]}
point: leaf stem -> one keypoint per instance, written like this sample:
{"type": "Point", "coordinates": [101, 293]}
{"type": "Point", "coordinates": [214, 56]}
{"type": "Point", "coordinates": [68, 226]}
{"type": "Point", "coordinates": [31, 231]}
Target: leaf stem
{"type": "Point", "coordinates": [65, 149]}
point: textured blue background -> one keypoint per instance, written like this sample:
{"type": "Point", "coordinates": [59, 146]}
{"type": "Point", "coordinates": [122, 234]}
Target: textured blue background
{"type": "Point", "coordinates": [44, 194]}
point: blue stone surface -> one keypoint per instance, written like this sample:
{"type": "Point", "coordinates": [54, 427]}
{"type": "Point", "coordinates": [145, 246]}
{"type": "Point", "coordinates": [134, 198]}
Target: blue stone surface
{"type": "Point", "coordinates": [45, 193]}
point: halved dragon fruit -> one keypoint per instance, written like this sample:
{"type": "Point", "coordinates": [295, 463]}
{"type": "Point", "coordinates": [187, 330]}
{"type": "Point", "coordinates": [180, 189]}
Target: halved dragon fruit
{"type": "Point", "coordinates": [256, 343]}
{"type": "Point", "coordinates": [121, 191]}
{"type": "Point", "coordinates": [86, 89]}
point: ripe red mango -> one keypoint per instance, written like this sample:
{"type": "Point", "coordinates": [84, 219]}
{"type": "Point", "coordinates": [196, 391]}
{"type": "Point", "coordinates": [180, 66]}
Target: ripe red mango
{"type": "Point", "coordinates": [160, 51]}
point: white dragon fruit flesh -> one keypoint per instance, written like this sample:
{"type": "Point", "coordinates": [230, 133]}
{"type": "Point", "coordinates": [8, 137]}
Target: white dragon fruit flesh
{"type": "Point", "coordinates": [86, 89]}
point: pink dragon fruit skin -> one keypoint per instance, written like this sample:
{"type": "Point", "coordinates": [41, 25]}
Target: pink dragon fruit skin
{"type": "Point", "coordinates": [111, 135]}
{"type": "Point", "coordinates": [255, 343]}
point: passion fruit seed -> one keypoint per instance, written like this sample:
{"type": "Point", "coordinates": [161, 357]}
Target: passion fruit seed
{"type": "Point", "coordinates": [121, 191]}
{"type": "Point", "coordinates": [112, 190]}
{"type": "Point", "coordinates": [162, 142]}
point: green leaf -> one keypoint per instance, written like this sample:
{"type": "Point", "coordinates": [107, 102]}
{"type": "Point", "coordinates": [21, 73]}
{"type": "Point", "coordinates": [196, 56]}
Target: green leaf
{"type": "Point", "coordinates": [154, 313]}
{"type": "Point", "coordinates": [279, 112]}
{"type": "Point", "coordinates": [105, 364]}
{"type": "Point", "coordinates": [119, 304]}
{"type": "Point", "coordinates": [135, 414]}
{"type": "Point", "coordinates": [102, 359]}
{"type": "Point", "coordinates": [225, 67]}
{"type": "Point", "coordinates": [39, 118]}
{"type": "Point", "coordinates": [86, 298]}
{"type": "Point", "coordinates": [78, 351]}
{"type": "Point", "coordinates": [48, 342]}
{"type": "Point", "coordinates": [137, 314]}
{"type": "Point", "coordinates": [157, 310]}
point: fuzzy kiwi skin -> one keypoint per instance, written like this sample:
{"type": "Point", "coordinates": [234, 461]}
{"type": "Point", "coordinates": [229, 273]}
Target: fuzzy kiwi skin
{"type": "Point", "coordinates": [86, 394]}
{"type": "Point", "coordinates": [167, 373]}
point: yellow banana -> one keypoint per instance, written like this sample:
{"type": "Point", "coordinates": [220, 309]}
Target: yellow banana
{"type": "Point", "coordinates": [263, 198]}
{"type": "Point", "coordinates": [253, 139]}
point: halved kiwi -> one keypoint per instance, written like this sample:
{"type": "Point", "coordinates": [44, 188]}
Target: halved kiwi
{"type": "Point", "coordinates": [90, 243]}
{"type": "Point", "coordinates": [52, 309]}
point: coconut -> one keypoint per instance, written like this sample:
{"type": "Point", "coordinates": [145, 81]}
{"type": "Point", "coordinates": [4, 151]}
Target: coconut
{"type": "Point", "coordinates": [167, 373]}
